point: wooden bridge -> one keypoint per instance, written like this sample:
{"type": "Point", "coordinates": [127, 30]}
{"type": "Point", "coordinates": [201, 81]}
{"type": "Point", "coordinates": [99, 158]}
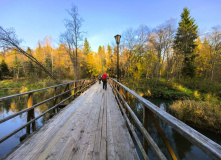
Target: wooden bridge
{"type": "Point", "coordinates": [97, 124]}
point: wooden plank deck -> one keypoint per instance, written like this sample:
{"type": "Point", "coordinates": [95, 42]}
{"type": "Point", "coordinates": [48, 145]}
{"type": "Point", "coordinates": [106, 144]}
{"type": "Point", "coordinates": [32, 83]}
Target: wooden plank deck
{"type": "Point", "coordinates": [90, 127]}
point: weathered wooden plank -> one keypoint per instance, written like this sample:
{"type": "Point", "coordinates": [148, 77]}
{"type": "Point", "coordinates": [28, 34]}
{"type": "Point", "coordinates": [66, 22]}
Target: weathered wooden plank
{"type": "Point", "coordinates": [42, 153]}
{"type": "Point", "coordinates": [92, 136]}
{"type": "Point", "coordinates": [104, 130]}
{"type": "Point", "coordinates": [121, 143]}
{"type": "Point", "coordinates": [80, 136]}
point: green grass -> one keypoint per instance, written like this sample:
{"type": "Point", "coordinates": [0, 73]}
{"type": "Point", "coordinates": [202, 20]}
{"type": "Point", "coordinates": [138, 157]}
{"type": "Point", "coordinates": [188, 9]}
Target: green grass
{"type": "Point", "coordinates": [157, 89]}
{"type": "Point", "coordinates": [9, 87]}
{"type": "Point", "coordinates": [176, 90]}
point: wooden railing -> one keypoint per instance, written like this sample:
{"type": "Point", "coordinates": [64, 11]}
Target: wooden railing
{"type": "Point", "coordinates": [78, 87]}
{"type": "Point", "coordinates": [122, 94]}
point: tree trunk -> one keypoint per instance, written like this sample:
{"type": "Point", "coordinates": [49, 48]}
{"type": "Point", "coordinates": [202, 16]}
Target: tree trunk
{"type": "Point", "coordinates": [212, 70]}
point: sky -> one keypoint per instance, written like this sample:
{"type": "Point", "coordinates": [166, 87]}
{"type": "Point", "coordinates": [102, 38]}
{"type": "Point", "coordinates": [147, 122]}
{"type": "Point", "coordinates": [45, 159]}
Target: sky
{"type": "Point", "coordinates": [103, 19]}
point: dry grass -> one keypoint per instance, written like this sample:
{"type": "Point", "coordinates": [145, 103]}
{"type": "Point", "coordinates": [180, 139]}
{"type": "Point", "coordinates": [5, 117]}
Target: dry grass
{"type": "Point", "coordinates": [204, 115]}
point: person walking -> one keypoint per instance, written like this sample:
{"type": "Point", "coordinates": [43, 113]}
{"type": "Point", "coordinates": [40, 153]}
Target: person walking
{"type": "Point", "coordinates": [99, 78]}
{"type": "Point", "coordinates": [104, 80]}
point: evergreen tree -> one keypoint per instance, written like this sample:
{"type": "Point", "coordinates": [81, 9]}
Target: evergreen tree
{"type": "Point", "coordinates": [30, 69]}
{"type": "Point", "coordinates": [85, 73]}
{"type": "Point", "coordinates": [184, 42]}
{"type": "Point", "coordinates": [4, 68]}
{"type": "Point", "coordinates": [48, 62]}
{"type": "Point", "coordinates": [16, 67]}
{"type": "Point", "coordinates": [87, 48]}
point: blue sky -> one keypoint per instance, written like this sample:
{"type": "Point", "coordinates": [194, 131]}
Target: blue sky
{"type": "Point", "coordinates": [103, 19]}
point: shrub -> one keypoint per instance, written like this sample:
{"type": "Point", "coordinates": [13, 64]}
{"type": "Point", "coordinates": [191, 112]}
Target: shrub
{"type": "Point", "coordinates": [204, 115]}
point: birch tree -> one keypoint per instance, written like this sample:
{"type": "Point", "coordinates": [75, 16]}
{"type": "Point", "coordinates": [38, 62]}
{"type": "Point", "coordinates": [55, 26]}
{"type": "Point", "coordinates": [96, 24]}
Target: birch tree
{"type": "Point", "coordinates": [72, 36]}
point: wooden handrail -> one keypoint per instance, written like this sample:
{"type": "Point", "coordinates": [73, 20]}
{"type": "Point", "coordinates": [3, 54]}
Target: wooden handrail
{"type": "Point", "coordinates": [53, 107]}
{"type": "Point", "coordinates": [144, 154]}
{"type": "Point", "coordinates": [205, 144]}
{"type": "Point", "coordinates": [38, 90]}
{"type": "Point", "coordinates": [34, 106]}
{"type": "Point", "coordinates": [146, 135]}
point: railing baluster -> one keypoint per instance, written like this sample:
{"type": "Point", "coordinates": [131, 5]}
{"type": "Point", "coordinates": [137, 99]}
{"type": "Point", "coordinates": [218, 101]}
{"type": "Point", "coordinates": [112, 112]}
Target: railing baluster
{"type": "Point", "coordinates": [162, 135]}
{"type": "Point", "coordinates": [68, 94]}
{"type": "Point", "coordinates": [74, 90]}
{"type": "Point", "coordinates": [55, 100]}
{"type": "Point", "coordinates": [30, 114]}
{"type": "Point", "coordinates": [145, 124]}
{"type": "Point", "coordinates": [127, 112]}
{"type": "Point", "coordinates": [81, 83]}
{"type": "Point", "coordinates": [77, 89]}
{"type": "Point", "coordinates": [121, 92]}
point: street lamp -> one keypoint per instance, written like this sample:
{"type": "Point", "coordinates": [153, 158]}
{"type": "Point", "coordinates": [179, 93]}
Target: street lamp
{"type": "Point", "coordinates": [111, 65]}
{"type": "Point", "coordinates": [117, 38]}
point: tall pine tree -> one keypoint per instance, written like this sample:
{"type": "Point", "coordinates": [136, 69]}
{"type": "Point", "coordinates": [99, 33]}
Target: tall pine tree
{"type": "Point", "coordinates": [87, 48]}
{"type": "Point", "coordinates": [4, 71]}
{"type": "Point", "coordinates": [184, 42]}
{"type": "Point", "coordinates": [85, 73]}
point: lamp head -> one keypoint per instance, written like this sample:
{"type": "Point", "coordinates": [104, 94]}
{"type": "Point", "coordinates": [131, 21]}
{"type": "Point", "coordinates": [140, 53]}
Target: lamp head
{"type": "Point", "coordinates": [117, 38]}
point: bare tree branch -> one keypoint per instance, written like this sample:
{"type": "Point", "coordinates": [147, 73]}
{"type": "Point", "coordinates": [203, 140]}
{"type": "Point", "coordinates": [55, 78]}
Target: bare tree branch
{"type": "Point", "coordinates": [9, 40]}
{"type": "Point", "coordinates": [72, 36]}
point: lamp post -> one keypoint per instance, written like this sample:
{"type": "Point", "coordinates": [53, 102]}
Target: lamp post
{"type": "Point", "coordinates": [117, 38]}
{"type": "Point", "coordinates": [111, 65]}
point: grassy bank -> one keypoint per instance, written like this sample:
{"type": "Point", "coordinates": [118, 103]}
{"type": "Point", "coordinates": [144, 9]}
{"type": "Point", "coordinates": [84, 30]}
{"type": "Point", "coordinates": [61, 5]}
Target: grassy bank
{"type": "Point", "coordinates": [204, 115]}
{"type": "Point", "coordinates": [198, 102]}
{"type": "Point", "coordinates": [176, 90]}
{"type": "Point", "coordinates": [155, 88]}
{"type": "Point", "coordinates": [9, 87]}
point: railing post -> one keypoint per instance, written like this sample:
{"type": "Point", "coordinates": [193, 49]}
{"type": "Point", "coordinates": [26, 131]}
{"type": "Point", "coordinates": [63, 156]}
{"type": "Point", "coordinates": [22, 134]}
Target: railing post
{"type": "Point", "coordinates": [121, 92]}
{"type": "Point", "coordinates": [30, 114]}
{"type": "Point", "coordinates": [145, 124]}
{"type": "Point", "coordinates": [77, 85]}
{"type": "Point", "coordinates": [74, 90]}
{"type": "Point", "coordinates": [128, 102]}
{"type": "Point", "coordinates": [160, 131]}
{"type": "Point", "coordinates": [81, 85]}
{"type": "Point", "coordinates": [127, 97]}
{"type": "Point", "coordinates": [69, 93]}
{"type": "Point", "coordinates": [55, 100]}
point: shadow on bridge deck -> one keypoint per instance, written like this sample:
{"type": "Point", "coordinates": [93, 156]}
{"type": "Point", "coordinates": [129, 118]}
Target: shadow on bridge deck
{"type": "Point", "coordinates": [90, 127]}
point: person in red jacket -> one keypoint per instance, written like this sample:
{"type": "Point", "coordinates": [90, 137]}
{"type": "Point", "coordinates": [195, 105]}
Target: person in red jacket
{"type": "Point", "coordinates": [104, 80]}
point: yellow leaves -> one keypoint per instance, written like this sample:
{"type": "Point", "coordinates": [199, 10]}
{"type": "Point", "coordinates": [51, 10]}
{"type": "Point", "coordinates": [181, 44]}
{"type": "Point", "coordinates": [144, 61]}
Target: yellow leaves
{"type": "Point", "coordinates": [13, 106]}
{"type": "Point", "coordinates": [196, 94]}
{"type": "Point", "coordinates": [179, 87]}
{"type": "Point", "coordinates": [51, 90]}
{"type": "Point", "coordinates": [94, 63]}
{"type": "Point", "coordinates": [141, 94]}
{"type": "Point", "coordinates": [208, 96]}
{"type": "Point", "coordinates": [23, 89]}
{"type": "Point", "coordinates": [148, 93]}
